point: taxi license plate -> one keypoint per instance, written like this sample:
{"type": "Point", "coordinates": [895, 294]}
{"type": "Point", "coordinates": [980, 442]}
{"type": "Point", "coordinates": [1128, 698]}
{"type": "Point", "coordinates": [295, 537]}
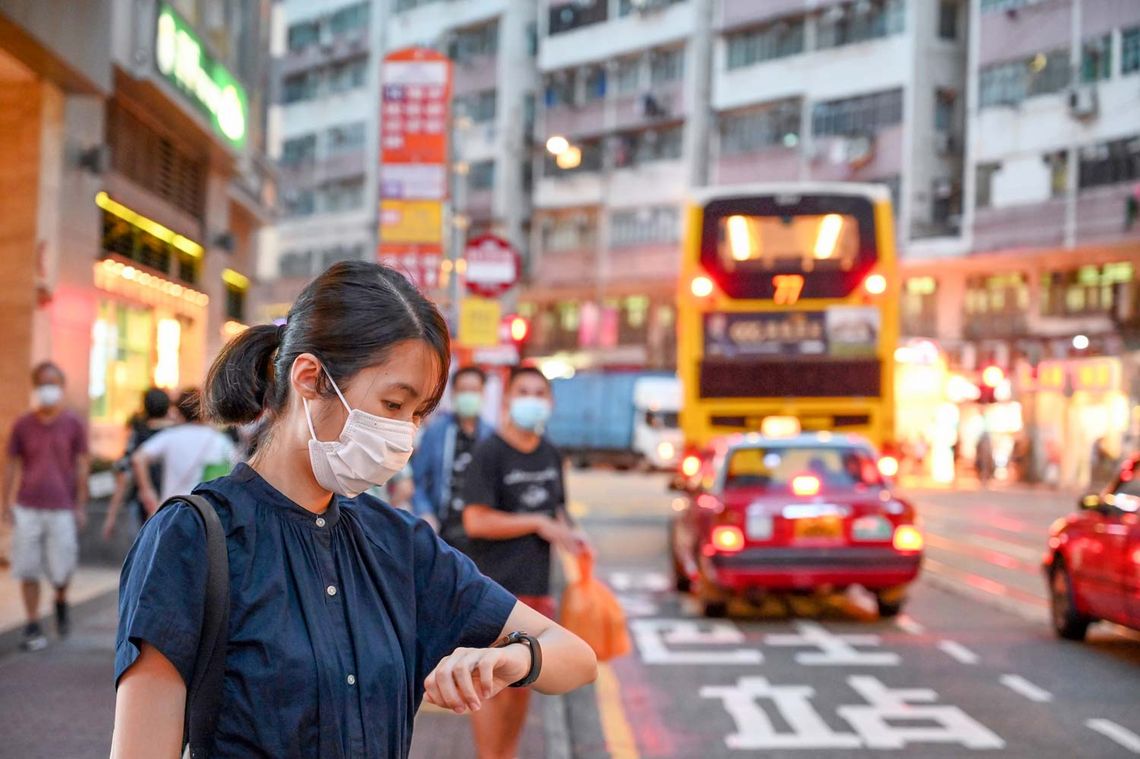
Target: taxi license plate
{"type": "Point", "coordinates": [818, 528]}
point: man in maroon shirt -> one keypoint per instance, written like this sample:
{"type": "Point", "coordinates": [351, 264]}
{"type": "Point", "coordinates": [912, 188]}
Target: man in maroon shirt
{"type": "Point", "coordinates": [47, 458]}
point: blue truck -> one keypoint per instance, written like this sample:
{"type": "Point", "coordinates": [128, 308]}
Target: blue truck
{"type": "Point", "coordinates": [623, 418]}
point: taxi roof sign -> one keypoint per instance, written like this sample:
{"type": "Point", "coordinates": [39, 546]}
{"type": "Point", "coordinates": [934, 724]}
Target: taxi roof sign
{"type": "Point", "coordinates": [780, 426]}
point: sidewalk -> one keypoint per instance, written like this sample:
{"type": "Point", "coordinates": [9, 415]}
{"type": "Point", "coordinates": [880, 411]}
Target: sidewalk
{"type": "Point", "coordinates": [87, 584]}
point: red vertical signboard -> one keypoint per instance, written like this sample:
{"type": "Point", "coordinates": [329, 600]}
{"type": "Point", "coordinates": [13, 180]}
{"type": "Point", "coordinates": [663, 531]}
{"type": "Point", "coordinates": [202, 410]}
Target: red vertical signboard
{"type": "Point", "coordinates": [414, 123]}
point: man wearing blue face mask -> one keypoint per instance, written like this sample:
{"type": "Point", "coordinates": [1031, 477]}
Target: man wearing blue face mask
{"type": "Point", "coordinates": [440, 461]}
{"type": "Point", "coordinates": [515, 510]}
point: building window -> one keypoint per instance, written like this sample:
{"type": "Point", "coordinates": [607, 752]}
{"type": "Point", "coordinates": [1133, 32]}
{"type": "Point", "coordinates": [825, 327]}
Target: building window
{"type": "Point", "coordinates": [568, 16]}
{"type": "Point", "coordinates": [299, 151]}
{"type": "Point", "coordinates": [645, 226]}
{"type": "Point", "coordinates": [995, 304]}
{"type": "Point", "coordinates": [569, 232]}
{"type": "Point", "coordinates": [349, 20]}
{"type": "Point", "coordinates": [1058, 163]}
{"type": "Point", "coordinates": [473, 42]}
{"type": "Point", "coordinates": [626, 7]}
{"type": "Point", "coordinates": [301, 202]}
{"type": "Point", "coordinates": [481, 175]}
{"type": "Point", "coordinates": [983, 189]}
{"type": "Point", "coordinates": [666, 65]}
{"type": "Point", "coordinates": [161, 165]}
{"type": "Point", "coordinates": [342, 77]}
{"type": "Point", "coordinates": [989, 6]}
{"type": "Point", "coordinates": [944, 101]}
{"type": "Point", "coordinates": [859, 21]}
{"type": "Point", "coordinates": [325, 80]}
{"type": "Point", "coordinates": [1096, 59]}
{"type": "Point", "coordinates": [189, 268]}
{"type": "Point", "coordinates": [861, 115]}
{"type": "Point", "coordinates": [919, 307]}
{"type": "Point", "coordinates": [627, 79]}
{"type": "Point", "coordinates": [235, 302]}
{"type": "Point", "coordinates": [1130, 50]}
{"type": "Point", "coordinates": [595, 88]}
{"type": "Point", "coordinates": [1109, 162]}
{"type": "Point", "coordinates": [776, 40]}
{"type": "Point", "coordinates": [758, 128]}
{"type": "Point", "coordinates": [560, 89]}
{"type": "Point", "coordinates": [346, 138]}
{"type": "Point", "coordinates": [478, 106]}
{"type": "Point", "coordinates": [303, 35]}
{"type": "Point", "coordinates": [342, 195]}
{"type": "Point", "coordinates": [948, 19]}
{"type": "Point", "coordinates": [1089, 290]}
{"type": "Point", "coordinates": [646, 146]}
{"type": "Point", "coordinates": [1013, 81]}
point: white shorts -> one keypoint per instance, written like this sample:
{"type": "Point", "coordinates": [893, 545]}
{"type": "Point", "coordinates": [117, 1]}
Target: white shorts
{"type": "Point", "coordinates": [44, 542]}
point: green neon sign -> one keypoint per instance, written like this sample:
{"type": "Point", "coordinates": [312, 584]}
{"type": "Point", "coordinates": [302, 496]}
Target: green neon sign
{"type": "Point", "coordinates": [183, 61]}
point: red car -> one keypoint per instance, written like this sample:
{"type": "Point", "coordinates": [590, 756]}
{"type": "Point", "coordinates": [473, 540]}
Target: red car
{"type": "Point", "coordinates": [1093, 561]}
{"type": "Point", "coordinates": [808, 512]}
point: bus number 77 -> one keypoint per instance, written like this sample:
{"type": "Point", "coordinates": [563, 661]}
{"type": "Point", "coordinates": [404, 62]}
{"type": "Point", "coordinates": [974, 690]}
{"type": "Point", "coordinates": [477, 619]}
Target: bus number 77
{"type": "Point", "coordinates": [788, 288]}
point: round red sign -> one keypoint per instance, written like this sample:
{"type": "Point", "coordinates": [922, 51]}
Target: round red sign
{"type": "Point", "coordinates": [492, 266]}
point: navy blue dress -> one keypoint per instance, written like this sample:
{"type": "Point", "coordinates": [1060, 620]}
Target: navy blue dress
{"type": "Point", "coordinates": [335, 619]}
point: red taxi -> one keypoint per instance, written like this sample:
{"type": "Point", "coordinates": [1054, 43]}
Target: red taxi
{"type": "Point", "coordinates": [800, 513]}
{"type": "Point", "coordinates": [1092, 564]}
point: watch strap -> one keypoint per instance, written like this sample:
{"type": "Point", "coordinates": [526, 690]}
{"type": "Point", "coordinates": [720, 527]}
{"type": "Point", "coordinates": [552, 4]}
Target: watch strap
{"type": "Point", "coordinates": [535, 648]}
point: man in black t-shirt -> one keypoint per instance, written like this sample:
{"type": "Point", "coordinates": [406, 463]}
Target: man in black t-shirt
{"type": "Point", "coordinates": [515, 509]}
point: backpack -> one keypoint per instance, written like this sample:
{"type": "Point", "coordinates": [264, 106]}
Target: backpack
{"type": "Point", "coordinates": [204, 691]}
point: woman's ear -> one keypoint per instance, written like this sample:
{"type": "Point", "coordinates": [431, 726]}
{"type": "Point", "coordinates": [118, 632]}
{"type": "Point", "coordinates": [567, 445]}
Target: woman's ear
{"type": "Point", "coordinates": [305, 375]}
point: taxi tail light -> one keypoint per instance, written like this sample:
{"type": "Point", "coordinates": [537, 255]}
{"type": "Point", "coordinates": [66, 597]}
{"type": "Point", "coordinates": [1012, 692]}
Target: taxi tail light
{"type": "Point", "coordinates": [907, 538]}
{"type": "Point", "coordinates": [691, 465]}
{"type": "Point", "coordinates": [888, 466]}
{"type": "Point", "coordinates": [727, 538]}
{"type": "Point", "coordinates": [805, 484]}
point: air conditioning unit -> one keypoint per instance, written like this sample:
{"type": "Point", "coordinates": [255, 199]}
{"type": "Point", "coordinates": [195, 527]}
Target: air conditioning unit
{"type": "Point", "coordinates": [1083, 102]}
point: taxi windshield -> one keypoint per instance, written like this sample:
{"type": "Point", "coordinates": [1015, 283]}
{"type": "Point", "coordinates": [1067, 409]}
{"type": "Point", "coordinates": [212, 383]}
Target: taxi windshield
{"type": "Point", "coordinates": [774, 467]}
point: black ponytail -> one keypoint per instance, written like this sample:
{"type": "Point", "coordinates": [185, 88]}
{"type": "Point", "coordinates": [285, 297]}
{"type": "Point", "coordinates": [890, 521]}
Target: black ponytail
{"type": "Point", "coordinates": [241, 376]}
{"type": "Point", "coordinates": [349, 317]}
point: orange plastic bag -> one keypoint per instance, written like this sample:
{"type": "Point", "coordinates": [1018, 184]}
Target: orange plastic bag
{"type": "Point", "coordinates": [590, 611]}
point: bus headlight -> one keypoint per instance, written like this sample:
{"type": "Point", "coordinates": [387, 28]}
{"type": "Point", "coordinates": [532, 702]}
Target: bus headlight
{"type": "Point", "coordinates": [701, 286]}
{"type": "Point", "coordinates": [876, 284]}
{"type": "Point", "coordinates": [666, 450]}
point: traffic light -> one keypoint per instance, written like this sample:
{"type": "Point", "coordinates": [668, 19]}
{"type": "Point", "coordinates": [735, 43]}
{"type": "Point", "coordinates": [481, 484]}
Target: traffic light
{"type": "Point", "coordinates": [992, 378]}
{"type": "Point", "coordinates": [518, 328]}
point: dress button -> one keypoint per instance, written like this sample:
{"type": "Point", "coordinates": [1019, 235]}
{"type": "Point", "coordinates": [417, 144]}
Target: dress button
{"type": "Point", "coordinates": [320, 521]}
{"type": "Point", "coordinates": [331, 590]}
{"type": "Point", "coordinates": [351, 679]}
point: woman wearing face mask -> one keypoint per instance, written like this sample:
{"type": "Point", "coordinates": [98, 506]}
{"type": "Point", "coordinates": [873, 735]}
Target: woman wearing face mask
{"type": "Point", "coordinates": [344, 612]}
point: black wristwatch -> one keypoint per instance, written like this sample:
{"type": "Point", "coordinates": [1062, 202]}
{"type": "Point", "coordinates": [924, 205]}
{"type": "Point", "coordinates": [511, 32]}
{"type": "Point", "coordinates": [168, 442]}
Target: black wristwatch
{"type": "Point", "coordinates": [530, 642]}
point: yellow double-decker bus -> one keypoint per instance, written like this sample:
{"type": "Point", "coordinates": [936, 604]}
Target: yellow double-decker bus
{"type": "Point", "coordinates": [788, 306]}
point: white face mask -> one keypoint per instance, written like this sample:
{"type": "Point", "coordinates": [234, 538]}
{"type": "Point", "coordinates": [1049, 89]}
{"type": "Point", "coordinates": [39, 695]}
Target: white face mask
{"type": "Point", "coordinates": [370, 450]}
{"type": "Point", "coordinates": [49, 396]}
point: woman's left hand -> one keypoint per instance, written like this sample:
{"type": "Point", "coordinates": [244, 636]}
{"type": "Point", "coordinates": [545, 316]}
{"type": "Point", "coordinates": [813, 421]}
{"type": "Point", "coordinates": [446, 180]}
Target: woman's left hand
{"type": "Point", "coordinates": [470, 676]}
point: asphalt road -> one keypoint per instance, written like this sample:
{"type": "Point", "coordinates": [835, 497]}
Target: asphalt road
{"type": "Point", "coordinates": [970, 666]}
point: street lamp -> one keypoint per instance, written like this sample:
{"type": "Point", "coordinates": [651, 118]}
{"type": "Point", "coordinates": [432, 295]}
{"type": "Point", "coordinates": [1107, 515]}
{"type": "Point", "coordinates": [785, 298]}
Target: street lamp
{"type": "Point", "coordinates": [570, 158]}
{"type": "Point", "coordinates": [557, 145]}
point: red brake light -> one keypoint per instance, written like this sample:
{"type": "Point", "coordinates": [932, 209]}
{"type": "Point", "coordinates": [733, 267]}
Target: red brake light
{"type": "Point", "coordinates": [691, 465]}
{"type": "Point", "coordinates": [907, 538]}
{"type": "Point", "coordinates": [805, 484]}
{"type": "Point", "coordinates": [727, 539]}
{"type": "Point", "coordinates": [888, 466]}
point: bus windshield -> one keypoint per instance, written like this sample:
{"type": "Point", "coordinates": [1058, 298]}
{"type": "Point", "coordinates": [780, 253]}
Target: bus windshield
{"type": "Point", "coordinates": [787, 244]}
{"type": "Point", "coordinates": [787, 248]}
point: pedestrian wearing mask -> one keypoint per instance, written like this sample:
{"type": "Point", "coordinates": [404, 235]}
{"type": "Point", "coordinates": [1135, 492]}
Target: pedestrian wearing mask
{"type": "Point", "coordinates": [154, 419]}
{"type": "Point", "coordinates": [440, 463]}
{"type": "Point", "coordinates": [515, 510]}
{"type": "Point", "coordinates": [344, 612]}
{"type": "Point", "coordinates": [189, 452]}
{"type": "Point", "coordinates": [47, 459]}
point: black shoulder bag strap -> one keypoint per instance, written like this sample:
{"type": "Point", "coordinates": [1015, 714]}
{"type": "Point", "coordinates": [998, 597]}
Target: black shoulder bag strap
{"type": "Point", "coordinates": [204, 692]}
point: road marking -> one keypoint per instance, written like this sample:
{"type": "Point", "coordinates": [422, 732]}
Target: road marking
{"type": "Point", "coordinates": [655, 636]}
{"type": "Point", "coordinates": [1115, 732]}
{"type": "Point", "coordinates": [832, 649]}
{"type": "Point", "coordinates": [615, 725]}
{"type": "Point", "coordinates": [1019, 684]}
{"type": "Point", "coordinates": [909, 625]}
{"type": "Point", "coordinates": [958, 652]}
{"type": "Point", "coordinates": [653, 582]}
